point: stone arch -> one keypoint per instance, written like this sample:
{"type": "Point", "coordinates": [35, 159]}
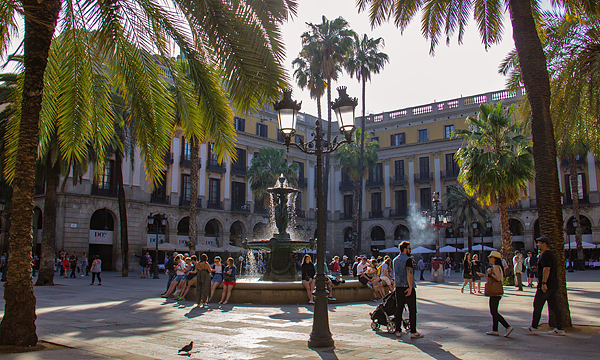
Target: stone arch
{"type": "Point", "coordinates": [183, 226]}
{"type": "Point", "coordinates": [347, 234]}
{"type": "Point", "coordinates": [102, 219]}
{"type": "Point", "coordinates": [376, 233]}
{"type": "Point", "coordinates": [237, 230]}
{"type": "Point", "coordinates": [213, 227]}
{"type": "Point", "coordinates": [102, 237]}
{"type": "Point", "coordinates": [401, 232]}
{"type": "Point", "coordinates": [516, 227]}
{"type": "Point", "coordinates": [586, 225]}
{"type": "Point", "coordinates": [260, 231]}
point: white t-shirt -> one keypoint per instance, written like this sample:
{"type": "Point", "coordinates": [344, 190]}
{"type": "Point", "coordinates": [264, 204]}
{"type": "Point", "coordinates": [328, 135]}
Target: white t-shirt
{"type": "Point", "coordinates": [384, 269]}
{"type": "Point", "coordinates": [181, 268]}
{"type": "Point", "coordinates": [360, 268]}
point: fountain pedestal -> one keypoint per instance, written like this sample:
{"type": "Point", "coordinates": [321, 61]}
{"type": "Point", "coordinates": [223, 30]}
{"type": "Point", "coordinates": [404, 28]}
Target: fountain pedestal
{"type": "Point", "coordinates": [281, 266]}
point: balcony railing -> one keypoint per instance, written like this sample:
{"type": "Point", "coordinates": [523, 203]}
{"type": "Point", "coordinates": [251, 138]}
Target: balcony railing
{"type": "Point", "coordinates": [110, 192]}
{"type": "Point", "coordinates": [450, 174]}
{"type": "Point", "coordinates": [302, 182]}
{"type": "Point", "coordinates": [399, 180]}
{"type": "Point", "coordinates": [184, 202]}
{"type": "Point", "coordinates": [240, 170]}
{"type": "Point", "coordinates": [345, 216]}
{"type": "Point", "coordinates": [160, 199]}
{"type": "Point", "coordinates": [423, 177]}
{"type": "Point", "coordinates": [240, 207]}
{"type": "Point", "coordinates": [375, 214]}
{"type": "Point", "coordinates": [568, 201]}
{"type": "Point", "coordinates": [214, 166]}
{"type": "Point", "coordinates": [399, 213]}
{"type": "Point", "coordinates": [375, 182]}
{"type": "Point", "coordinates": [186, 162]}
{"type": "Point", "coordinates": [169, 158]}
{"type": "Point", "coordinates": [300, 214]}
{"type": "Point", "coordinates": [216, 205]}
{"type": "Point", "coordinates": [346, 185]}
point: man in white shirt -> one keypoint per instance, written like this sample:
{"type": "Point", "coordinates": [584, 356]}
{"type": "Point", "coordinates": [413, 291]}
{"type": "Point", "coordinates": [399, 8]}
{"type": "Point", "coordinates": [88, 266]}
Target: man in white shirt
{"type": "Point", "coordinates": [518, 268]}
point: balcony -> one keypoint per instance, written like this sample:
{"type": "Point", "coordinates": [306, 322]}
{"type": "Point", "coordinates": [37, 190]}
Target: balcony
{"type": "Point", "coordinates": [110, 192]}
{"type": "Point", "coordinates": [214, 166]}
{"type": "Point", "coordinates": [168, 158]}
{"type": "Point", "coordinates": [375, 214]}
{"type": "Point", "coordinates": [239, 170]}
{"type": "Point", "coordinates": [301, 214]}
{"type": "Point", "coordinates": [186, 162]}
{"type": "Point", "coordinates": [581, 161]}
{"type": "Point", "coordinates": [215, 205]}
{"type": "Point", "coordinates": [346, 216]}
{"type": "Point", "coordinates": [346, 185]}
{"type": "Point", "coordinates": [423, 177]}
{"type": "Point", "coordinates": [399, 180]}
{"type": "Point", "coordinates": [302, 182]}
{"type": "Point", "coordinates": [160, 199]}
{"type": "Point", "coordinates": [567, 201]}
{"type": "Point", "coordinates": [184, 202]}
{"type": "Point", "coordinates": [240, 207]}
{"type": "Point", "coordinates": [394, 213]}
{"type": "Point", "coordinates": [375, 182]}
{"type": "Point", "coordinates": [450, 174]}
{"type": "Point", "coordinates": [515, 206]}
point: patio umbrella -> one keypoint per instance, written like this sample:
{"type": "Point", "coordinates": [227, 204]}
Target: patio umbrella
{"type": "Point", "coordinates": [393, 249]}
{"type": "Point", "coordinates": [585, 245]}
{"type": "Point", "coordinates": [450, 249]}
{"type": "Point", "coordinates": [479, 248]}
{"type": "Point", "coordinates": [421, 250]}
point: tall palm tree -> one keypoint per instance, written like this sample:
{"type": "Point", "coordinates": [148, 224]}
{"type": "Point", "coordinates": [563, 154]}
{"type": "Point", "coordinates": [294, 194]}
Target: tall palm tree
{"type": "Point", "coordinates": [363, 60]}
{"type": "Point", "coordinates": [496, 162]}
{"type": "Point", "coordinates": [327, 44]}
{"type": "Point", "coordinates": [265, 169]}
{"type": "Point", "coordinates": [352, 158]}
{"type": "Point", "coordinates": [448, 17]}
{"type": "Point", "coordinates": [308, 75]}
{"type": "Point", "coordinates": [465, 208]}
{"type": "Point", "coordinates": [149, 25]}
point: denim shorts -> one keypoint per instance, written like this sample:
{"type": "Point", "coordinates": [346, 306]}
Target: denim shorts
{"type": "Point", "coordinates": [218, 278]}
{"type": "Point", "coordinates": [178, 278]}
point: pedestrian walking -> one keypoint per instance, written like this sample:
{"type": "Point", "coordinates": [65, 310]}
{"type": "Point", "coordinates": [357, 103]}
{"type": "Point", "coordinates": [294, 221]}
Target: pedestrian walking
{"type": "Point", "coordinates": [406, 292]}
{"type": "Point", "coordinates": [467, 273]}
{"type": "Point", "coordinates": [73, 265]}
{"type": "Point", "coordinates": [547, 290]}
{"type": "Point", "coordinates": [518, 269]}
{"type": "Point", "coordinates": [494, 290]}
{"type": "Point", "coordinates": [421, 269]}
{"type": "Point", "coordinates": [96, 269]}
{"type": "Point", "coordinates": [84, 265]}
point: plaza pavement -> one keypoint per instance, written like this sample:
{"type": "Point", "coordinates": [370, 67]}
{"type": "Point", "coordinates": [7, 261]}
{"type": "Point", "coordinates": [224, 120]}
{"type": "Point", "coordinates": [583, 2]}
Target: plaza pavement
{"type": "Point", "coordinates": [126, 319]}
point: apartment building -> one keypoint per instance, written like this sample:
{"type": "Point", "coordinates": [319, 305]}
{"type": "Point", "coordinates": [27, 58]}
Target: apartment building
{"type": "Point", "coordinates": [415, 160]}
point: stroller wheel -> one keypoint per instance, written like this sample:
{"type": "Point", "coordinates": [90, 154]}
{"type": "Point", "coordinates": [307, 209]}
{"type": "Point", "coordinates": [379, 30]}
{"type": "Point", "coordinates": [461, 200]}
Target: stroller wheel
{"type": "Point", "coordinates": [391, 327]}
{"type": "Point", "coordinates": [374, 326]}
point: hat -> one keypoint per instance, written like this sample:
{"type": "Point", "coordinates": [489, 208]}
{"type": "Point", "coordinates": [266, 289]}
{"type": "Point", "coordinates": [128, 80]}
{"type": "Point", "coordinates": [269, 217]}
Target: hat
{"type": "Point", "coordinates": [495, 254]}
{"type": "Point", "coordinates": [543, 239]}
{"type": "Point", "coordinates": [364, 257]}
{"type": "Point", "coordinates": [344, 257]}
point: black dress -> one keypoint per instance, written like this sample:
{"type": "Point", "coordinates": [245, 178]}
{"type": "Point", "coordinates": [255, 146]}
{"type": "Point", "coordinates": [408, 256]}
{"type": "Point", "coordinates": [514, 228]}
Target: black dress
{"type": "Point", "coordinates": [467, 269]}
{"type": "Point", "coordinates": [476, 267]}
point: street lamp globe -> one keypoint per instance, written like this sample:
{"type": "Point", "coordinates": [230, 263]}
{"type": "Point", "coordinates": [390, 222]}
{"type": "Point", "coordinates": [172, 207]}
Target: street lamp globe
{"type": "Point", "coordinates": [344, 107]}
{"type": "Point", "coordinates": [287, 112]}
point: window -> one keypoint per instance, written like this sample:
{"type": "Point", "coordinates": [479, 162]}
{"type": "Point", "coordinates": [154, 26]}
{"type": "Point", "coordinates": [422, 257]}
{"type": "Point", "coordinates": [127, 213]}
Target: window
{"type": "Point", "coordinates": [448, 129]}
{"type": "Point", "coordinates": [214, 193]}
{"type": "Point", "coordinates": [376, 173]}
{"type": "Point", "coordinates": [239, 123]}
{"type": "Point", "coordinates": [397, 139]}
{"type": "Point", "coordinates": [374, 138]}
{"type": "Point", "coordinates": [299, 139]}
{"type": "Point", "coordinates": [425, 197]}
{"type": "Point", "coordinates": [186, 150]}
{"type": "Point", "coordinates": [376, 202]}
{"type": "Point", "coordinates": [348, 206]}
{"type": "Point", "coordinates": [261, 130]}
{"type": "Point", "coordinates": [400, 200]}
{"type": "Point", "coordinates": [186, 187]}
{"type": "Point", "coordinates": [399, 169]}
{"type": "Point", "coordinates": [298, 202]}
{"type": "Point", "coordinates": [213, 159]}
{"type": "Point", "coordinates": [280, 137]}
{"type": "Point", "coordinates": [300, 169]}
{"type": "Point", "coordinates": [581, 191]}
{"type": "Point", "coordinates": [452, 168]}
{"type": "Point", "coordinates": [424, 167]}
{"type": "Point", "coordinates": [238, 194]}
{"type": "Point", "coordinates": [105, 180]}
{"type": "Point", "coordinates": [423, 135]}
{"type": "Point", "coordinates": [240, 161]}
{"type": "Point", "coordinates": [161, 189]}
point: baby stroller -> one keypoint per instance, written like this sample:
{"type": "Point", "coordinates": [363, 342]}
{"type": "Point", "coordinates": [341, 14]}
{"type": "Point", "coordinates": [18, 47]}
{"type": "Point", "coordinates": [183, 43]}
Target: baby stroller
{"type": "Point", "coordinates": [384, 314]}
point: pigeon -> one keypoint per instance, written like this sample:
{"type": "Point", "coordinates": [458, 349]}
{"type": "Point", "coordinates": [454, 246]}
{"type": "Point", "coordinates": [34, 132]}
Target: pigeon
{"type": "Point", "coordinates": [187, 348]}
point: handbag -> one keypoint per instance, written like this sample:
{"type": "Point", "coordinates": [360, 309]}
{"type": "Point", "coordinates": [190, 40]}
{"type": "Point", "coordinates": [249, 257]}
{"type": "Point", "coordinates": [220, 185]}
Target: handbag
{"type": "Point", "coordinates": [493, 287]}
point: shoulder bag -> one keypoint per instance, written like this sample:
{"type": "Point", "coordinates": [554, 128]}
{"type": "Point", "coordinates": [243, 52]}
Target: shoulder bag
{"type": "Point", "coordinates": [493, 287]}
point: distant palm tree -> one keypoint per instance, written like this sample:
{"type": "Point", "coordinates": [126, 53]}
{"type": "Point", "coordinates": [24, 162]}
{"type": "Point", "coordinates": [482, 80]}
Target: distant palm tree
{"type": "Point", "coordinates": [349, 157]}
{"type": "Point", "coordinates": [496, 162]}
{"type": "Point", "coordinates": [265, 169]}
{"type": "Point", "coordinates": [465, 208]}
{"type": "Point", "coordinates": [308, 75]}
{"type": "Point", "coordinates": [363, 60]}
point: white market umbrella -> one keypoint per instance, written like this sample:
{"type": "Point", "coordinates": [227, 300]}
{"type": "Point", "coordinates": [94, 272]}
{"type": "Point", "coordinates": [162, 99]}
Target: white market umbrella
{"type": "Point", "coordinates": [421, 250]}
{"type": "Point", "coordinates": [450, 249]}
{"type": "Point", "coordinates": [393, 249]}
{"type": "Point", "coordinates": [479, 248]}
{"type": "Point", "coordinates": [585, 245]}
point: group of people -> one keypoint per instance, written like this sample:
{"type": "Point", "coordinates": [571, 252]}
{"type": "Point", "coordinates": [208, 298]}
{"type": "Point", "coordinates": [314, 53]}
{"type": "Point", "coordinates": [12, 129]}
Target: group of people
{"type": "Point", "coordinates": [186, 271]}
{"type": "Point", "coordinates": [65, 263]}
{"type": "Point", "coordinates": [471, 271]}
{"type": "Point", "coordinates": [145, 264]}
{"type": "Point", "coordinates": [545, 269]}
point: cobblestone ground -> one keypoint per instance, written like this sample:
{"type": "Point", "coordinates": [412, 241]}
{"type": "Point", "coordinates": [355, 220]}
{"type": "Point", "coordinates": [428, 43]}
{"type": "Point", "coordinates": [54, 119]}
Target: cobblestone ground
{"type": "Point", "coordinates": [126, 319]}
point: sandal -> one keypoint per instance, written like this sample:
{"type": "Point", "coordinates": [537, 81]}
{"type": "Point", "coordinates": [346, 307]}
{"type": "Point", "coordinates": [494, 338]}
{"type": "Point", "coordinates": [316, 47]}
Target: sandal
{"type": "Point", "coordinates": [224, 302]}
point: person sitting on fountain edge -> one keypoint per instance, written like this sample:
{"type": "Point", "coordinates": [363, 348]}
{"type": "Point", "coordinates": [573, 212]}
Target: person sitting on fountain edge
{"type": "Point", "coordinates": [327, 281]}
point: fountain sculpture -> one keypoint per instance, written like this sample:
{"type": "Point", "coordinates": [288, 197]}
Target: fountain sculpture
{"type": "Point", "coordinates": [281, 247]}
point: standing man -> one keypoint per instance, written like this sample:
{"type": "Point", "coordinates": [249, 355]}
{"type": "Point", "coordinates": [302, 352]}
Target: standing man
{"type": "Point", "coordinates": [73, 264]}
{"type": "Point", "coordinates": [547, 289]}
{"type": "Point", "coordinates": [518, 268]}
{"type": "Point", "coordinates": [421, 268]}
{"type": "Point", "coordinates": [405, 290]}
{"type": "Point", "coordinates": [530, 263]}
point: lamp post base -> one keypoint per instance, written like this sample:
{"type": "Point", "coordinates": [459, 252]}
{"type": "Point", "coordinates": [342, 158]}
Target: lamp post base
{"type": "Point", "coordinates": [320, 337]}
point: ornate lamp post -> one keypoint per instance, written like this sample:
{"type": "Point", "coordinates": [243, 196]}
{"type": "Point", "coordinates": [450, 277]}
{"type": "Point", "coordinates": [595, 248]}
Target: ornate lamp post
{"type": "Point", "coordinates": [287, 110]}
{"type": "Point", "coordinates": [437, 219]}
{"type": "Point", "coordinates": [156, 226]}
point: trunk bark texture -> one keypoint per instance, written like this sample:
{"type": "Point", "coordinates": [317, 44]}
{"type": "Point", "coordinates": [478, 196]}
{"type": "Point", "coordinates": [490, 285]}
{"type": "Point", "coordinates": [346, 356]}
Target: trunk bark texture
{"type": "Point", "coordinates": [361, 165]}
{"type": "Point", "coordinates": [123, 216]}
{"type": "Point", "coordinates": [18, 323]}
{"type": "Point", "coordinates": [532, 61]}
{"type": "Point", "coordinates": [193, 196]}
{"type": "Point", "coordinates": [46, 273]}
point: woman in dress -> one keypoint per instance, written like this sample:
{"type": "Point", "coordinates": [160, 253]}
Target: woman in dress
{"type": "Point", "coordinates": [467, 273]}
{"type": "Point", "coordinates": [203, 271]}
{"type": "Point", "coordinates": [65, 266]}
{"type": "Point", "coordinates": [228, 281]}
{"type": "Point", "coordinates": [496, 274]}
{"type": "Point", "coordinates": [476, 269]}
{"type": "Point", "coordinates": [308, 277]}
{"type": "Point", "coordinates": [217, 279]}
{"type": "Point", "coordinates": [96, 269]}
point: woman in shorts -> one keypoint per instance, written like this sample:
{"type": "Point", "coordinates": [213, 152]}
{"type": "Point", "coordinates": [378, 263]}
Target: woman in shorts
{"type": "Point", "coordinates": [180, 270]}
{"type": "Point", "coordinates": [308, 277]}
{"type": "Point", "coordinates": [228, 280]}
{"type": "Point", "coordinates": [217, 279]}
{"type": "Point", "coordinates": [467, 273]}
{"type": "Point", "coordinates": [386, 273]}
{"type": "Point", "coordinates": [476, 269]}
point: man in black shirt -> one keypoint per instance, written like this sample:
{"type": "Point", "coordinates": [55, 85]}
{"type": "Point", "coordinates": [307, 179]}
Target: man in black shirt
{"type": "Point", "coordinates": [547, 289]}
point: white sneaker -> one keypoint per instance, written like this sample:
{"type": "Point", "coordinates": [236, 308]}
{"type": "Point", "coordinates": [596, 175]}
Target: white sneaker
{"type": "Point", "coordinates": [557, 332]}
{"type": "Point", "coordinates": [508, 331]}
{"type": "Point", "coordinates": [493, 333]}
{"type": "Point", "coordinates": [530, 330]}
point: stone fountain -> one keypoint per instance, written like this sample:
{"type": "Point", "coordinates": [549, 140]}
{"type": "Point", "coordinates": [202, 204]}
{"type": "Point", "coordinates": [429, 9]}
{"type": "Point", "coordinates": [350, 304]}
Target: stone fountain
{"type": "Point", "coordinates": [281, 247]}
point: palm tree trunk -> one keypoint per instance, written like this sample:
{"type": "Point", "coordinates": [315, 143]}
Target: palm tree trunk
{"type": "Point", "coordinates": [122, 215]}
{"type": "Point", "coordinates": [193, 195]}
{"type": "Point", "coordinates": [46, 273]}
{"type": "Point", "coordinates": [575, 198]}
{"type": "Point", "coordinates": [326, 171]}
{"type": "Point", "coordinates": [532, 61]}
{"type": "Point", "coordinates": [361, 163]}
{"type": "Point", "coordinates": [18, 323]}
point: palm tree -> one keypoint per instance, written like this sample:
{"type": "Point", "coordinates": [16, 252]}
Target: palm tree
{"type": "Point", "coordinates": [465, 208]}
{"type": "Point", "coordinates": [327, 44]}
{"type": "Point", "coordinates": [496, 162]}
{"type": "Point", "coordinates": [249, 83]}
{"type": "Point", "coordinates": [446, 18]}
{"type": "Point", "coordinates": [265, 169]}
{"type": "Point", "coordinates": [353, 157]}
{"type": "Point", "coordinates": [308, 76]}
{"type": "Point", "coordinates": [363, 60]}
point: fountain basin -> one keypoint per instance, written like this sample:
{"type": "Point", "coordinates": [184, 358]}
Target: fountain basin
{"type": "Point", "coordinates": [286, 292]}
